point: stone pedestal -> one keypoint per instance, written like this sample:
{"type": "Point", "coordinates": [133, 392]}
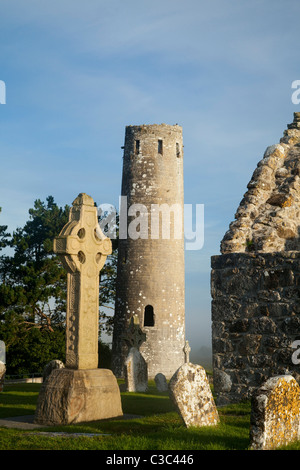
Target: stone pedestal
{"type": "Point", "coordinates": [72, 396]}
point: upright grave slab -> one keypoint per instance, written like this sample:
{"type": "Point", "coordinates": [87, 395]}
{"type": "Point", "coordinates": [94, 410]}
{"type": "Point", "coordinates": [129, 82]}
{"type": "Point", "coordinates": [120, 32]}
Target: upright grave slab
{"type": "Point", "coordinates": [275, 413]}
{"type": "Point", "coordinates": [161, 382]}
{"type": "Point", "coordinates": [190, 392]}
{"type": "Point", "coordinates": [2, 375]}
{"type": "Point", "coordinates": [135, 366]}
{"type": "Point", "coordinates": [80, 391]}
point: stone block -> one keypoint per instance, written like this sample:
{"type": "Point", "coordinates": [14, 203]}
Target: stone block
{"type": "Point", "coordinates": [72, 396]}
{"type": "Point", "coordinates": [275, 413]}
{"type": "Point", "coordinates": [222, 381]}
{"type": "Point", "coordinates": [190, 391]}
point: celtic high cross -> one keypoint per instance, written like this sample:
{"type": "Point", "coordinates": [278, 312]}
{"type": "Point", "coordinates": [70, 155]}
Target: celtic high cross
{"type": "Point", "coordinates": [83, 249]}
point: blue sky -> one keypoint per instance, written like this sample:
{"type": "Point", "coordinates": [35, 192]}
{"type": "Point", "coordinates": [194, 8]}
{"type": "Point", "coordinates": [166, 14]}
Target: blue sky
{"type": "Point", "coordinates": [77, 72]}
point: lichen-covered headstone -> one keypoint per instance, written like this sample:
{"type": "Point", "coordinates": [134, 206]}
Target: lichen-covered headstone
{"type": "Point", "coordinates": [275, 413]}
{"type": "Point", "coordinates": [190, 391]}
{"type": "Point", "coordinates": [161, 382]}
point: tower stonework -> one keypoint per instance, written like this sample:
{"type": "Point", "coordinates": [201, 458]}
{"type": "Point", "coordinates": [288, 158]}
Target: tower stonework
{"type": "Point", "coordinates": [150, 279]}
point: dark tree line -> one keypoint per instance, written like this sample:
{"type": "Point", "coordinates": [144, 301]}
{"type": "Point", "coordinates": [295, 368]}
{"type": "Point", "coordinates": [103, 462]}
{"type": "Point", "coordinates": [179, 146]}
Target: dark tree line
{"type": "Point", "coordinates": [33, 290]}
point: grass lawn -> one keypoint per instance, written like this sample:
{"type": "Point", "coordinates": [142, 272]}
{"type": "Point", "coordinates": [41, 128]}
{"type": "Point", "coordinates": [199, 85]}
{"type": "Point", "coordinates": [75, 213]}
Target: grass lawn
{"type": "Point", "coordinates": [157, 426]}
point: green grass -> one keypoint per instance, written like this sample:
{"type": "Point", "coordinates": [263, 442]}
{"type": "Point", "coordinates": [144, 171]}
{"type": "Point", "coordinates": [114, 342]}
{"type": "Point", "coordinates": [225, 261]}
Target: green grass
{"type": "Point", "coordinates": [157, 426]}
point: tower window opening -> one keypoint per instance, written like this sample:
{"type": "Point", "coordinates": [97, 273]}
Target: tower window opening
{"type": "Point", "coordinates": [177, 150]}
{"type": "Point", "coordinates": [160, 147]}
{"type": "Point", "coordinates": [149, 316]}
{"type": "Point", "coordinates": [137, 146]}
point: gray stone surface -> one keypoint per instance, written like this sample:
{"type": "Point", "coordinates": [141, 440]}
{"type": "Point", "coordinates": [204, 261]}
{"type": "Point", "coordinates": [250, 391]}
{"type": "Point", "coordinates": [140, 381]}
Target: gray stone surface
{"type": "Point", "coordinates": [190, 391]}
{"type": "Point", "coordinates": [161, 382]}
{"type": "Point", "coordinates": [255, 320]}
{"type": "Point", "coordinates": [26, 422]}
{"type": "Point", "coordinates": [20, 422]}
{"type": "Point", "coordinates": [136, 372]}
{"type": "Point", "coordinates": [55, 364]}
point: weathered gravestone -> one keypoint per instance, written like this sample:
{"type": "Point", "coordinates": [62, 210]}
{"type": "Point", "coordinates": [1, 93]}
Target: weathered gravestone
{"type": "Point", "coordinates": [135, 366]}
{"type": "Point", "coordinates": [2, 375]}
{"type": "Point", "coordinates": [161, 382]}
{"type": "Point", "coordinates": [2, 364]}
{"type": "Point", "coordinates": [80, 391]}
{"type": "Point", "coordinates": [275, 413]}
{"type": "Point", "coordinates": [136, 372]}
{"type": "Point", "coordinates": [52, 365]}
{"type": "Point", "coordinates": [190, 392]}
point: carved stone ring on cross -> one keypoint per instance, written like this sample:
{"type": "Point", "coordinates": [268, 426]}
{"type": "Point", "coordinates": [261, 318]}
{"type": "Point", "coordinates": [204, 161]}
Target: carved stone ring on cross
{"type": "Point", "coordinates": [81, 243]}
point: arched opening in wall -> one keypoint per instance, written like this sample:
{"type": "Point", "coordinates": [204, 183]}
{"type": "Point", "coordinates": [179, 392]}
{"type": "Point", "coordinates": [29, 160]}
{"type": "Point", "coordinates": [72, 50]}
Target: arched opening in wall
{"type": "Point", "coordinates": [160, 146]}
{"type": "Point", "coordinates": [149, 316]}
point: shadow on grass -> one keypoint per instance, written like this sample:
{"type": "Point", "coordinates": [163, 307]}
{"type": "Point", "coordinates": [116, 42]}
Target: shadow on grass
{"type": "Point", "coordinates": [145, 405]}
{"type": "Point", "coordinates": [162, 432]}
{"type": "Point", "coordinates": [159, 427]}
{"type": "Point", "coordinates": [18, 400]}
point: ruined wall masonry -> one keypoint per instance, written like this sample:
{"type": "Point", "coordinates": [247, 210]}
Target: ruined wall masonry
{"type": "Point", "coordinates": [255, 319]}
{"type": "Point", "coordinates": [150, 279]}
{"type": "Point", "coordinates": [255, 284]}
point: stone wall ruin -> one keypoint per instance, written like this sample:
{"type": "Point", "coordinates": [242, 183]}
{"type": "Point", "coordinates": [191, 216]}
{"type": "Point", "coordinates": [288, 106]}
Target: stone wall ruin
{"type": "Point", "coordinates": [255, 281]}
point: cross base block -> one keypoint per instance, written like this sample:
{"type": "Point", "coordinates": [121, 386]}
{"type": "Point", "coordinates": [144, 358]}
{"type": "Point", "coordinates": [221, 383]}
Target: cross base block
{"type": "Point", "coordinates": [73, 396]}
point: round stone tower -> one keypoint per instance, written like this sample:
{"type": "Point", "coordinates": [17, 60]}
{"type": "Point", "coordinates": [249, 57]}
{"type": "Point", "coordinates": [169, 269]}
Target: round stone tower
{"type": "Point", "coordinates": [150, 280]}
